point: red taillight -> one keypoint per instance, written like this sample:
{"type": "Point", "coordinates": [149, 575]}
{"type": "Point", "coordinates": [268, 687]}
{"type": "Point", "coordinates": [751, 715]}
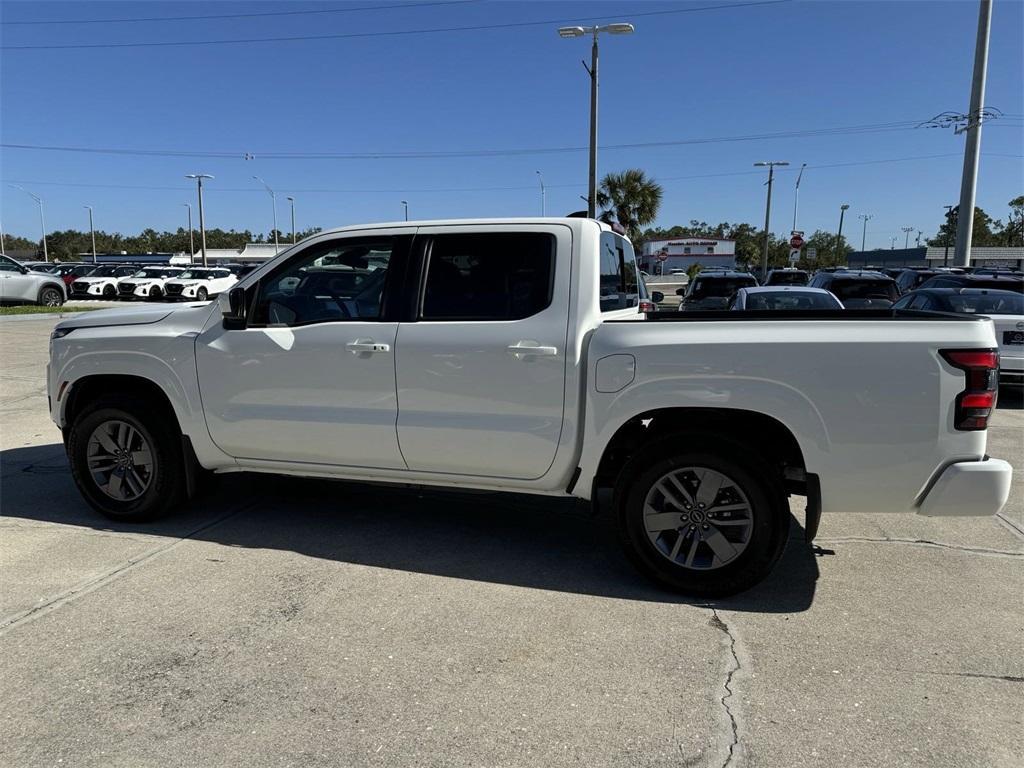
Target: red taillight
{"type": "Point", "coordinates": [647, 306]}
{"type": "Point", "coordinates": [981, 373]}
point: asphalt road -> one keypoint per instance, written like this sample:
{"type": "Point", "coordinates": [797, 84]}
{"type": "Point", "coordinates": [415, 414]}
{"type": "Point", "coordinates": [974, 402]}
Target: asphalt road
{"type": "Point", "coordinates": [286, 622]}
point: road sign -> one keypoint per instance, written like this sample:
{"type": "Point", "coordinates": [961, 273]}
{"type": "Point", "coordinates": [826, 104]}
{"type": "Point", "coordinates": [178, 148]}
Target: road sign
{"type": "Point", "coordinates": [812, 253]}
{"type": "Point", "coordinates": [662, 255]}
{"type": "Point", "coordinates": [794, 256]}
{"type": "Point", "coordinates": [796, 242]}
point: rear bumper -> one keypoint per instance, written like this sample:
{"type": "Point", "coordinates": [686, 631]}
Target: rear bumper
{"type": "Point", "coordinates": [969, 489]}
{"type": "Point", "coordinates": [1011, 368]}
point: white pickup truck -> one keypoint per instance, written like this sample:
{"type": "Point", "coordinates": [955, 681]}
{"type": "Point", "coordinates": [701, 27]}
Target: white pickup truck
{"type": "Point", "coordinates": [510, 355]}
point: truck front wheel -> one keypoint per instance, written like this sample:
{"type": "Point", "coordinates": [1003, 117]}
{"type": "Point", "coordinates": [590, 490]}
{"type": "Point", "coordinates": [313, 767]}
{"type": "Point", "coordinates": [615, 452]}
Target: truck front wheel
{"type": "Point", "coordinates": [126, 459]}
{"type": "Point", "coordinates": [707, 521]}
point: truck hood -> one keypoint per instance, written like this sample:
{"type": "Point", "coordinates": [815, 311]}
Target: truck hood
{"type": "Point", "coordinates": [127, 316]}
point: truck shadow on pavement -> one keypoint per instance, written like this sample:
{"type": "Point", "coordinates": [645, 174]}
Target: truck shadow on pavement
{"type": "Point", "coordinates": [520, 540]}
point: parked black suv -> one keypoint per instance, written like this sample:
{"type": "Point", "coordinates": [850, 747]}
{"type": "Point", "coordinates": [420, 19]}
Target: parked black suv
{"type": "Point", "coordinates": [787, 277]}
{"type": "Point", "coordinates": [858, 290]}
{"type": "Point", "coordinates": [713, 289]}
{"type": "Point", "coordinates": [996, 282]}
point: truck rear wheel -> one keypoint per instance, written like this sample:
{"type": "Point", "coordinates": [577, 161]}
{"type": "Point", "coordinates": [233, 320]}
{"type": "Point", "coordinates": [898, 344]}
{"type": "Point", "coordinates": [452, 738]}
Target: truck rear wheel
{"type": "Point", "coordinates": [707, 521]}
{"type": "Point", "coordinates": [126, 459]}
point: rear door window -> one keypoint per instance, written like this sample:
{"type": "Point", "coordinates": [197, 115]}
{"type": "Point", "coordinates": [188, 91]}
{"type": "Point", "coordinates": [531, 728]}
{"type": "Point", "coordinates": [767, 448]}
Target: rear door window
{"type": "Point", "coordinates": [620, 283]}
{"type": "Point", "coordinates": [488, 276]}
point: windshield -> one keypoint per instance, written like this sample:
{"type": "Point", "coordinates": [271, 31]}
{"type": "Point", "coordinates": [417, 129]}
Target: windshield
{"type": "Point", "coordinates": [994, 303]}
{"type": "Point", "coordinates": [200, 274]}
{"type": "Point", "coordinates": [796, 277]}
{"type": "Point", "coordinates": [709, 287]}
{"type": "Point", "coordinates": [153, 273]}
{"type": "Point", "coordinates": [791, 300]}
{"type": "Point", "coordinates": [105, 272]}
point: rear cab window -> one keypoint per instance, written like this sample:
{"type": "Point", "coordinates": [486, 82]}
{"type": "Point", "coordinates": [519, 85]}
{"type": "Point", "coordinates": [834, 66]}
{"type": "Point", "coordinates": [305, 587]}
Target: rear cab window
{"type": "Point", "coordinates": [620, 286]}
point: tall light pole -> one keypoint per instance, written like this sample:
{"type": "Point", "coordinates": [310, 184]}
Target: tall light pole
{"type": "Point", "coordinates": [191, 242]}
{"type": "Point", "coordinates": [892, 243]}
{"type": "Point", "coordinates": [866, 217]}
{"type": "Point", "coordinates": [405, 205]}
{"type": "Point", "coordinates": [273, 202]}
{"type": "Point", "coordinates": [291, 202]}
{"type": "Point", "coordinates": [768, 210]}
{"type": "Point", "coordinates": [969, 179]}
{"type": "Point", "coordinates": [796, 196]}
{"type": "Point", "coordinates": [92, 233]}
{"type": "Point", "coordinates": [839, 236]}
{"type": "Point", "coordinates": [3, 248]}
{"type": "Point", "coordinates": [202, 224]}
{"type": "Point", "coordinates": [42, 221]}
{"type": "Point", "coordinates": [543, 202]}
{"type": "Point", "coordinates": [918, 241]}
{"type": "Point", "coordinates": [906, 240]}
{"type": "Point", "coordinates": [619, 28]}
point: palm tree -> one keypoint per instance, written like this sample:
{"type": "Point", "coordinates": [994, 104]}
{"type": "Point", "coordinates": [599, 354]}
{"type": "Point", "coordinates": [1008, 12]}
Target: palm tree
{"type": "Point", "coordinates": [630, 198]}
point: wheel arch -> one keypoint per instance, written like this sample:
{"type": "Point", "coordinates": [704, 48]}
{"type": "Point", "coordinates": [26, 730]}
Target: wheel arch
{"type": "Point", "coordinates": [86, 389]}
{"type": "Point", "coordinates": [59, 287]}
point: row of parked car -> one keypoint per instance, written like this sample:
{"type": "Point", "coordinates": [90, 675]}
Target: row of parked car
{"type": "Point", "coordinates": [997, 294]}
{"type": "Point", "coordinates": [52, 283]}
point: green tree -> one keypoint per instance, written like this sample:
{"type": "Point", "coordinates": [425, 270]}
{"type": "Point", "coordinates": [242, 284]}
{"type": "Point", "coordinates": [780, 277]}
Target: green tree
{"type": "Point", "coordinates": [631, 199]}
{"type": "Point", "coordinates": [985, 232]}
{"type": "Point", "coordinates": [1014, 231]}
{"type": "Point", "coordinates": [827, 254]}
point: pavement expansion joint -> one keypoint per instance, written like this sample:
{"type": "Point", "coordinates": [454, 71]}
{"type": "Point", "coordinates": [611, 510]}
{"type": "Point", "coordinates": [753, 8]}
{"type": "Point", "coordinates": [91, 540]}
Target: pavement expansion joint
{"type": "Point", "coordinates": [923, 543]}
{"type": "Point", "coordinates": [717, 623]}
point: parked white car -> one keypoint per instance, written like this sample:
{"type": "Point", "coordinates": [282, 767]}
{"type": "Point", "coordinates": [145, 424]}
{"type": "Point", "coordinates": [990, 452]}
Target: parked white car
{"type": "Point", "coordinates": [19, 284]}
{"type": "Point", "coordinates": [199, 284]}
{"type": "Point", "coordinates": [784, 297]}
{"type": "Point", "coordinates": [147, 283]}
{"type": "Point", "coordinates": [102, 282]}
{"type": "Point", "coordinates": [510, 355]}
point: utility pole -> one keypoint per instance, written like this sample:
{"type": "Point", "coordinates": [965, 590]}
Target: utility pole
{"type": "Point", "coordinates": [839, 236]}
{"type": "Point", "coordinates": [405, 205]}
{"type": "Point", "coordinates": [796, 196]}
{"type": "Point", "coordinates": [191, 242]}
{"type": "Point", "coordinates": [202, 223]}
{"type": "Point", "coordinates": [291, 201]}
{"type": "Point", "coordinates": [951, 228]}
{"type": "Point", "coordinates": [864, 234]}
{"type": "Point", "coordinates": [566, 32]}
{"type": "Point", "coordinates": [969, 179]}
{"type": "Point", "coordinates": [3, 249]}
{"type": "Point", "coordinates": [892, 243]}
{"type": "Point", "coordinates": [768, 210]}
{"type": "Point", "coordinates": [92, 233]}
{"type": "Point", "coordinates": [543, 205]}
{"type": "Point", "coordinates": [906, 241]}
{"type": "Point", "coordinates": [918, 241]}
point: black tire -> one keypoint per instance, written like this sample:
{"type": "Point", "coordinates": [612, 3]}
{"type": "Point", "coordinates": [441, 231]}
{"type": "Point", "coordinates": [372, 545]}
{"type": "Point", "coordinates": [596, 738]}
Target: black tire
{"type": "Point", "coordinates": [765, 536]}
{"type": "Point", "coordinates": [50, 296]}
{"type": "Point", "coordinates": [166, 484]}
{"type": "Point", "coordinates": [109, 292]}
{"type": "Point", "coordinates": [202, 294]}
{"type": "Point", "coordinates": [156, 294]}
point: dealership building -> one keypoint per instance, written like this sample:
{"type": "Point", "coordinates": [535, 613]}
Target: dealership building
{"type": "Point", "coordinates": [684, 252]}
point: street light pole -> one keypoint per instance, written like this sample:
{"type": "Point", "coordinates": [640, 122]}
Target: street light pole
{"type": "Point", "coordinates": [273, 202]}
{"type": "Point", "coordinates": [405, 205]}
{"type": "Point", "coordinates": [191, 242]}
{"type": "Point", "coordinates": [863, 235]}
{"type": "Point", "coordinates": [969, 179]}
{"type": "Point", "coordinates": [768, 210]}
{"type": "Point", "coordinates": [42, 220]}
{"type": "Point", "coordinates": [951, 228]}
{"type": "Point", "coordinates": [839, 236]}
{"type": "Point", "coordinates": [92, 233]}
{"type": "Point", "coordinates": [202, 223]}
{"type": "Point", "coordinates": [620, 28]}
{"type": "Point", "coordinates": [291, 201]}
{"type": "Point", "coordinates": [906, 241]}
{"type": "Point", "coordinates": [796, 196]}
{"type": "Point", "coordinates": [543, 202]}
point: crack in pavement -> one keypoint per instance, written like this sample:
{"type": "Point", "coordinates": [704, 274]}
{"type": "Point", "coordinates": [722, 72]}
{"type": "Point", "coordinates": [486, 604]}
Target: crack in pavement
{"type": "Point", "coordinates": [980, 675]}
{"type": "Point", "coordinates": [717, 623]}
{"type": "Point", "coordinates": [90, 585]}
{"type": "Point", "coordinates": [922, 543]}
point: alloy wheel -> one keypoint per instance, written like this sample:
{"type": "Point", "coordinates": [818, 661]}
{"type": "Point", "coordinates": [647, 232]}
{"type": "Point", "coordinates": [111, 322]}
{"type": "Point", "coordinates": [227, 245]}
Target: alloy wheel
{"type": "Point", "coordinates": [120, 460]}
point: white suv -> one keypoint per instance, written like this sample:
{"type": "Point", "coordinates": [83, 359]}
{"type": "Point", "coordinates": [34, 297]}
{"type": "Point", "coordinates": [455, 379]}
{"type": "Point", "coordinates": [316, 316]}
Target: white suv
{"type": "Point", "coordinates": [20, 284]}
{"type": "Point", "coordinates": [199, 284]}
{"type": "Point", "coordinates": [102, 282]}
{"type": "Point", "coordinates": [147, 283]}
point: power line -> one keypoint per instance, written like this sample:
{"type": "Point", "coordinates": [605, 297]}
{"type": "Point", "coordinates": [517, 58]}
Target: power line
{"type": "Point", "coordinates": [238, 15]}
{"type": "Point", "coordinates": [428, 190]}
{"type": "Point", "coordinates": [382, 33]}
{"type": "Point", "coordinates": [446, 154]}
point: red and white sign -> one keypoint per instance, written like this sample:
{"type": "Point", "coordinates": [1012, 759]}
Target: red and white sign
{"type": "Point", "coordinates": [796, 242]}
{"type": "Point", "coordinates": [663, 254]}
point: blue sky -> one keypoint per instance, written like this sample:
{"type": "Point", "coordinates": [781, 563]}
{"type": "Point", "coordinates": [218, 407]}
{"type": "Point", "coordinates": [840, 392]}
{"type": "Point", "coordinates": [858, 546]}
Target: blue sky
{"type": "Point", "coordinates": [704, 74]}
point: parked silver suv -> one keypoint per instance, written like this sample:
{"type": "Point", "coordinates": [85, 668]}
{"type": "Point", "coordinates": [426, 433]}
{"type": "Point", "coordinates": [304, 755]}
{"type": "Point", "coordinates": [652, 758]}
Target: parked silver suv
{"type": "Point", "coordinates": [22, 285]}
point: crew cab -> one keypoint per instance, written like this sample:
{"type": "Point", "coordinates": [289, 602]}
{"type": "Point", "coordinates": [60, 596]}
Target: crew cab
{"type": "Point", "coordinates": [510, 356]}
{"type": "Point", "coordinates": [199, 284]}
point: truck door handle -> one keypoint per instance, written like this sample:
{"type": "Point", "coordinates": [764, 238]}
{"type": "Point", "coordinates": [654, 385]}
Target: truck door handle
{"type": "Point", "coordinates": [521, 349]}
{"type": "Point", "coordinates": [360, 347]}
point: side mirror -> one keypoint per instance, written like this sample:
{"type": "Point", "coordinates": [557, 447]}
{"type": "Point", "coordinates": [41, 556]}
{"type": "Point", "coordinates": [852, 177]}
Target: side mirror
{"type": "Point", "coordinates": [680, 291]}
{"type": "Point", "coordinates": [657, 297]}
{"type": "Point", "coordinates": [234, 315]}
